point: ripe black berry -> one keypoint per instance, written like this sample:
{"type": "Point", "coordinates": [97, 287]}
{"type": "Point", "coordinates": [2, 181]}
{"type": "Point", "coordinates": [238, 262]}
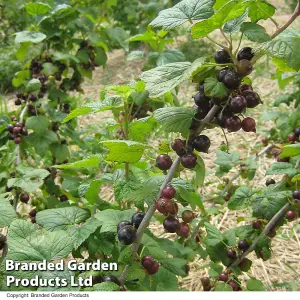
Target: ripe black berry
{"type": "Point", "coordinates": [291, 215]}
{"type": "Point", "coordinates": [179, 147]}
{"type": "Point", "coordinates": [296, 195]}
{"type": "Point", "coordinates": [243, 245]}
{"type": "Point", "coordinates": [2, 241]}
{"type": "Point", "coordinates": [233, 285]}
{"type": "Point", "coordinates": [137, 219]}
{"type": "Point", "coordinates": [291, 138]}
{"type": "Point", "coordinates": [171, 224]}
{"type": "Point", "coordinates": [10, 128]}
{"type": "Point", "coordinates": [32, 213]}
{"type": "Point", "coordinates": [245, 87]}
{"type": "Point", "coordinates": [24, 132]}
{"type": "Point", "coordinates": [232, 79]}
{"type": "Point", "coordinates": [297, 131]}
{"type": "Point", "coordinates": [256, 224]}
{"type": "Point", "coordinates": [249, 125]}
{"type": "Point", "coordinates": [200, 99]}
{"type": "Point", "coordinates": [111, 278]}
{"type": "Point", "coordinates": [169, 192]}
{"type": "Point", "coordinates": [17, 130]}
{"type": "Point", "coordinates": [270, 181]}
{"type": "Point", "coordinates": [221, 117]}
{"type": "Point", "coordinates": [233, 124]}
{"type": "Point", "coordinates": [238, 104]}
{"type": "Point", "coordinates": [127, 235]}
{"type": "Point", "coordinates": [252, 98]}
{"type": "Point", "coordinates": [206, 283]}
{"type": "Point", "coordinates": [201, 143]}
{"type": "Point", "coordinates": [244, 67]}
{"type": "Point", "coordinates": [272, 233]}
{"type": "Point", "coordinates": [183, 230]}
{"type": "Point", "coordinates": [97, 279]}
{"type": "Point", "coordinates": [164, 162]}
{"type": "Point", "coordinates": [222, 57]}
{"type": "Point", "coordinates": [150, 264]}
{"type": "Point", "coordinates": [189, 161]}
{"type": "Point", "coordinates": [24, 198]}
{"type": "Point", "coordinates": [188, 216]}
{"type": "Point", "coordinates": [222, 73]}
{"type": "Point", "coordinates": [33, 98]}
{"type": "Point", "coordinates": [245, 53]}
{"type": "Point", "coordinates": [223, 277]}
{"type": "Point", "coordinates": [123, 224]}
{"type": "Point", "coordinates": [42, 78]}
{"type": "Point", "coordinates": [18, 102]}
{"type": "Point", "coordinates": [231, 253]}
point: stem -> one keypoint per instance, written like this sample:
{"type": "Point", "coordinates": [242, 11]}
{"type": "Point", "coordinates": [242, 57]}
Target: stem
{"type": "Point", "coordinates": [214, 42]}
{"type": "Point", "coordinates": [267, 229]}
{"type": "Point", "coordinates": [226, 38]}
{"type": "Point", "coordinates": [239, 45]}
{"type": "Point", "coordinates": [126, 132]}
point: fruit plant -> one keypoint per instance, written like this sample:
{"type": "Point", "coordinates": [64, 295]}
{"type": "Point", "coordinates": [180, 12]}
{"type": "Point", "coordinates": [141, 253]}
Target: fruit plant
{"type": "Point", "coordinates": [161, 181]}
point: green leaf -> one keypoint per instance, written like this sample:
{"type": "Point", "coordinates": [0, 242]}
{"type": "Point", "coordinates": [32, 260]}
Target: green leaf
{"type": "Point", "coordinates": [284, 98]}
{"type": "Point", "coordinates": [240, 199]}
{"type": "Point", "coordinates": [118, 35]}
{"type": "Point", "coordinates": [49, 69]}
{"type": "Point", "coordinates": [20, 78]}
{"type": "Point", "coordinates": [140, 129]}
{"type": "Point", "coordinates": [235, 24]}
{"type": "Point", "coordinates": [8, 214]}
{"type": "Point", "coordinates": [290, 150]}
{"type": "Point", "coordinates": [227, 160]}
{"type": "Point", "coordinates": [286, 47]}
{"type": "Point", "coordinates": [222, 287]}
{"type": "Point", "coordinates": [29, 36]}
{"type": "Point", "coordinates": [134, 55]}
{"type": "Point", "coordinates": [279, 168]}
{"type": "Point", "coordinates": [30, 179]}
{"type": "Point", "coordinates": [260, 9]}
{"type": "Point", "coordinates": [200, 171]}
{"type": "Point", "coordinates": [229, 11]}
{"type": "Point", "coordinates": [91, 162]}
{"type": "Point", "coordinates": [110, 218]}
{"type": "Point", "coordinates": [169, 56]}
{"type": "Point", "coordinates": [38, 124]}
{"type": "Point", "coordinates": [33, 85]}
{"type": "Point", "coordinates": [108, 103]}
{"type": "Point", "coordinates": [268, 202]}
{"type": "Point", "coordinates": [175, 265]}
{"type": "Point", "coordinates": [214, 88]}
{"type": "Point", "coordinates": [255, 33]}
{"type": "Point", "coordinates": [124, 151]}
{"type": "Point", "coordinates": [38, 8]}
{"type": "Point", "coordinates": [61, 218]}
{"type": "Point", "coordinates": [164, 78]}
{"type": "Point", "coordinates": [164, 280]}
{"type": "Point", "coordinates": [175, 119]}
{"type": "Point", "coordinates": [254, 285]}
{"type": "Point", "coordinates": [186, 10]}
{"type": "Point", "coordinates": [136, 271]}
{"type": "Point", "coordinates": [37, 244]}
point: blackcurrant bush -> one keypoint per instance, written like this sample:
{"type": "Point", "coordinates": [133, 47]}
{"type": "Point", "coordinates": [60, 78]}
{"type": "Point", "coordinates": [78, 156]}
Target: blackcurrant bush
{"type": "Point", "coordinates": [164, 162]}
{"type": "Point", "coordinates": [222, 57]}
{"type": "Point", "coordinates": [270, 181]}
{"type": "Point", "coordinates": [127, 235]}
{"type": "Point", "coordinates": [223, 277]}
{"type": "Point", "coordinates": [238, 104]}
{"type": "Point", "coordinates": [171, 224]}
{"type": "Point", "coordinates": [188, 216]}
{"type": "Point", "coordinates": [245, 53]}
{"type": "Point", "coordinates": [256, 224]}
{"type": "Point", "coordinates": [183, 230]}
{"type": "Point", "coordinates": [249, 125]}
{"type": "Point", "coordinates": [233, 124]}
{"type": "Point", "coordinates": [297, 131]}
{"type": "Point", "coordinates": [137, 219]}
{"type": "Point", "coordinates": [232, 79]}
{"type": "Point", "coordinates": [24, 198]}
{"type": "Point", "coordinates": [296, 195]}
{"type": "Point", "coordinates": [169, 192]}
{"type": "Point", "coordinates": [179, 147]}
{"type": "Point", "coordinates": [244, 67]}
{"type": "Point", "coordinates": [189, 161]}
{"type": "Point", "coordinates": [231, 253]}
{"type": "Point", "coordinates": [243, 245]}
{"type": "Point", "coordinates": [252, 98]}
{"type": "Point", "coordinates": [291, 215]}
{"type": "Point", "coordinates": [150, 264]}
{"type": "Point", "coordinates": [111, 278]}
{"type": "Point", "coordinates": [123, 224]}
{"type": "Point", "coordinates": [201, 143]}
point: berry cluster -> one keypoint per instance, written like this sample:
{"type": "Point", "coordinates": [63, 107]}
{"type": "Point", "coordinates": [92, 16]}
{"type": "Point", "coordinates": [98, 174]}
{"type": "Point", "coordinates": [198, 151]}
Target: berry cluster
{"type": "Point", "coordinates": [16, 131]}
{"type": "Point", "coordinates": [127, 230]}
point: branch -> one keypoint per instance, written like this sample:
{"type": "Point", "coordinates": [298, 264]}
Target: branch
{"type": "Point", "coordinates": [143, 226]}
{"type": "Point", "coordinates": [294, 16]}
{"type": "Point", "coordinates": [267, 229]}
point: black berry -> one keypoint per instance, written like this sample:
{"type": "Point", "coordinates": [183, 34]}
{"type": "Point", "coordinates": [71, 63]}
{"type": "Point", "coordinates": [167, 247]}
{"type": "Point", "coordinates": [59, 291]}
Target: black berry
{"type": "Point", "coordinates": [127, 235]}
{"type": "Point", "coordinates": [24, 198]}
{"type": "Point", "coordinates": [150, 264]}
{"type": "Point", "coordinates": [137, 219]}
{"type": "Point", "coordinates": [123, 224]}
{"type": "Point", "coordinates": [223, 277]}
{"type": "Point", "coordinates": [245, 53]}
{"type": "Point", "coordinates": [249, 125]}
{"type": "Point", "coordinates": [291, 138]}
{"type": "Point", "coordinates": [256, 224]}
{"type": "Point", "coordinates": [179, 147]}
{"type": "Point", "coordinates": [233, 124]}
{"type": "Point", "coordinates": [183, 230]}
{"type": "Point", "coordinates": [189, 161]}
{"type": "Point", "coordinates": [164, 162]}
{"type": "Point", "coordinates": [171, 224]}
{"type": "Point", "coordinates": [291, 215]}
{"type": "Point", "coordinates": [245, 87]}
{"type": "Point", "coordinates": [201, 143]}
{"type": "Point", "coordinates": [238, 104]}
{"type": "Point", "coordinates": [270, 181]}
{"type": "Point", "coordinates": [63, 198]}
{"type": "Point", "coordinates": [18, 140]}
{"type": "Point", "coordinates": [252, 98]}
{"type": "Point", "coordinates": [169, 192]}
{"type": "Point", "coordinates": [232, 79]}
{"type": "Point", "coordinates": [222, 57]}
{"type": "Point", "coordinates": [297, 131]}
{"type": "Point", "coordinates": [243, 245]}
{"type": "Point", "coordinates": [231, 253]}
{"type": "Point", "coordinates": [296, 195]}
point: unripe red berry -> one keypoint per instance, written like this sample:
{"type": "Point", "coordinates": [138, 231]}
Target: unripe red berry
{"type": "Point", "coordinates": [169, 192]}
